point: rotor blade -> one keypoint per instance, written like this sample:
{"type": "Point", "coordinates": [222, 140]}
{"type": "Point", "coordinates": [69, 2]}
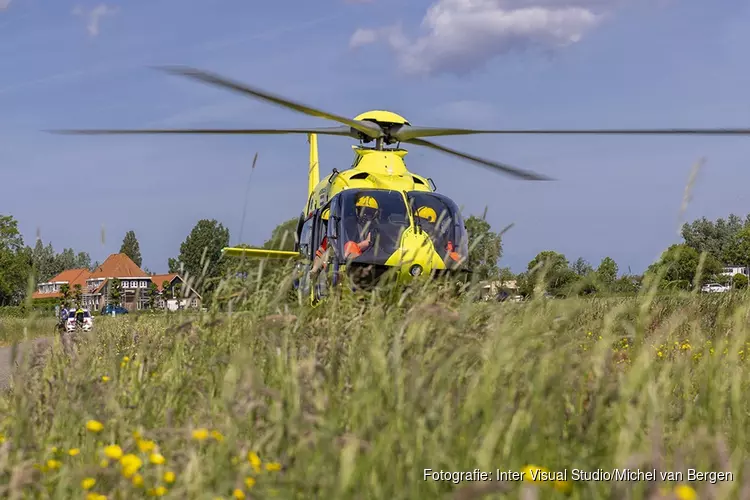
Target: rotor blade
{"type": "Point", "coordinates": [369, 129]}
{"type": "Point", "coordinates": [407, 132]}
{"type": "Point", "coordinates": [345, 131]}
{"type": "Point", "coordinates": [506, 169]}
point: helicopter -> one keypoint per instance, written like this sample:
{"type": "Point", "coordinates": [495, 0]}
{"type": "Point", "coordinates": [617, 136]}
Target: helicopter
{"type": "Point", "coordinates": [376, 216]}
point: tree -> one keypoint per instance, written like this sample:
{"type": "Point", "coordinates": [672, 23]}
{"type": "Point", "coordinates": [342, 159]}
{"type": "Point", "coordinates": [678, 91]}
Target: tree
{"type": "Point", "coordinates": [15, 262]}
{"type": "Point", "coordinates": [715, 238]}
{"type": "Point", "coordinates": [153, 294]}
{"type": "Point", "coordinates": [485, 248]}
{"type": "Point", "coordinates": [43, 259]}
{"type": "Point", "coordinates": [83, 260]}
{"type": "Point", "coordinates": [581, 267]}
{"type": "Point", "coordinates": [558, 277]}
{"type": "Point", "coordinates": [679, 264]}
{"type": "Point", "coordinates": [132, 248]}
{"type": "Point", "coordinates": [607, 271]}
{"type": "Point", "coordinates": [739, 282]}
{"type": "Point", "coordinates": [115, 291]}
{"type": "Point", "coordinates": [165, 290]}
{"type": "Point", "coordinates": [284, 236]}
{"type": "Point", "coordinates": [66, 260]}
{"type": "Point", "coordinates": [65, 292]}
{"type": "Point", "coordinates": [209, 237]}
{"type": "Point", "coordinates": [78, 295]}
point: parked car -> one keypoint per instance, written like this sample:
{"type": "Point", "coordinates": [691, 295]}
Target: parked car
{"type": "Point", "coordinates": [79, 319]}
{"type": "Point", "coordinates": [715, 288]}
{"type": "Point", "coordinates": [111, 309]}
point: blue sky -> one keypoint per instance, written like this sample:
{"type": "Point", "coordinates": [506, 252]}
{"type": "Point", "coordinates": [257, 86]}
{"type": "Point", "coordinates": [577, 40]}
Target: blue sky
{"type": "Point", "coordinates": [466, 63]}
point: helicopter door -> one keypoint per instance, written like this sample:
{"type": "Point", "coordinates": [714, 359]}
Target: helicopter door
{"type": "Point", "coordinates": [321, 221]}
{"type": "Point", "coordinates": [302, 282]}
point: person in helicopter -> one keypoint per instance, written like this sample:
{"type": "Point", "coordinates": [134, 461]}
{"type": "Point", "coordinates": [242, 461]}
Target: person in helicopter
{"type": "Point", "coordinates": [427, 220]}
{"type": "Point", "coordinates": [322, 253]}
{"type": "Point", "coordinates": [367, 211]}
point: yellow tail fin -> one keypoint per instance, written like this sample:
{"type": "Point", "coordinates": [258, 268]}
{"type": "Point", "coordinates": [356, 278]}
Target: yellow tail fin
{"type": "Point", "coordinates": [314, 168]}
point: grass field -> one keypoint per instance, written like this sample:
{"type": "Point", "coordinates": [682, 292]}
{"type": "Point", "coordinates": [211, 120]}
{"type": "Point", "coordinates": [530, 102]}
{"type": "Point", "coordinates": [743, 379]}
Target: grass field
{"type": "Point", "coordinates": [355, 399]}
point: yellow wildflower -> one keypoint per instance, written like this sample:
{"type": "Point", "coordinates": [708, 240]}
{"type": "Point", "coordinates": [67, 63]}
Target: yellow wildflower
{"type": "Point", "coordinates": [249, 482]}
{"type": "Point", "coordinates": [113, 451]}
{"type": "Point", "coordinates": [95, 496]}
{"type": "Point", "coordinates": [159, 491]}
{"type": "Point", "coordinates": [200, 434]}
{"type": "Point", "coordinates": [104, 463]}
{"type": "Point", "coordinates": [685, 492]}
{"type": "Point", "coordinates": [125, 359]}
{"type": "Point", "coordinates": [105, 378]}
{"type": "Point", "coordinates": [137, 480]}
{"type": "Point", "coordinates": [530, 470]}
{"type": "Point", "coordinates": [273, 466]}
{"type": "Point", "coordinates": [254, 460]}
{"type": "Point", "coordinates": [156, 458]}
{"type": "Point", "coordinates": [53, 464]}
{"type": "Point", "coordinates": [88, 483]}
{"type": "Point", "coordinates": [94, 426]}
{"type": "Point", "coordinates": [54, 449]}
{"type": "Point", "coordinates": [563, 486]}
{"type": "Point", "coordinates": [130, 465]}
{"type": "Point", "coordinates": [2, 438]}
{"type": "Point", "coordinates": [145, 445]}
{"type": "Point", "coordinates": [137, 435]}
{"type": "Point", "coordinates": [239, 494]}
{"type": "Point", "coordinates": [73, 452]}
{"type": "Point", "coordinates": [216, 435]}
{"type": "Point", "coordinates": [169, 477]}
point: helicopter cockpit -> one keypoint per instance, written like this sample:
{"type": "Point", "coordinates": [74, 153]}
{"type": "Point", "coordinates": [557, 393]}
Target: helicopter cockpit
{"type": "Point", "coordinates": [371, 223]}
{"type": "Point", "coordinates": [439, 217]}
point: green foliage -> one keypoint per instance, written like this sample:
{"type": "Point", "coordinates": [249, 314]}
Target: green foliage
{"type": "Point", "coordinates": [78, 295]}
{"type": "Point", "coordinates": [132, 248]}
{"type": "Point", "coordinates": [376, 391]}
{"type": "Point", "coordinates": [153, 294]}
{"type": "Point", "coordinates": [284, 236]}
{"type": "Point", "coordinates": [115, 291]}
{"type": "Point", "coordinates": [607, 272]}
{"type": "Point", "coordinates": [47, 263]}
{"type": "Point", "coordinates": [485, 248]}
{"type": "Point", "coordinates": [200, 258]}
{"type": "Point", "coordinates": [15, 262]}
{"type": "Point", "coordinates": [739, 281]}
{"type": "Point", "coordinates": [678, 266]}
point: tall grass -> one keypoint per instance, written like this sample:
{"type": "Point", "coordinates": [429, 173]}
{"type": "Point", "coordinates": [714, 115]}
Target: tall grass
{"type": "Point", "coordinates": [358, 397]}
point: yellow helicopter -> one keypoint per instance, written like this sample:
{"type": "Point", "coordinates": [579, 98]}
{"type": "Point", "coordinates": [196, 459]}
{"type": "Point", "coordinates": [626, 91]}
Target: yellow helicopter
{"type": "Point", "coordinates": [376, 215]}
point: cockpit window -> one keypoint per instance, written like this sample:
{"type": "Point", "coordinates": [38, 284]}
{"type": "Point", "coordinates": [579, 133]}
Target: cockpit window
{"type": "Point", "coordinates": [439, 217]}
{"type": "Point", "coordinates": [372, 223]}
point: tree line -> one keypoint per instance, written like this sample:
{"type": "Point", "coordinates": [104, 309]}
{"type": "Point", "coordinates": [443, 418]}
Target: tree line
{"type": "Point", "coordinates": [708, 246]}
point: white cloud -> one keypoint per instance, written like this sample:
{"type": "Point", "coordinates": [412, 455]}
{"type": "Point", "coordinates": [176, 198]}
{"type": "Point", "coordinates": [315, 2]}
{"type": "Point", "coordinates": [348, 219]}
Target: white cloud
{"type": "Point", "coordinates": [461, 35]}
{"type": "Point", "coordinates": [94, 16]}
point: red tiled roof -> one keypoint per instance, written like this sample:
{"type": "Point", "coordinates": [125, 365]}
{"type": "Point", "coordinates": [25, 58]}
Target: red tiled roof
{"type": "Point", "coordinates": [118, 265]}
{"type": "Point", "coordinates": [159, 279]}
{"type": "Point", "coordinates": [72, 277]}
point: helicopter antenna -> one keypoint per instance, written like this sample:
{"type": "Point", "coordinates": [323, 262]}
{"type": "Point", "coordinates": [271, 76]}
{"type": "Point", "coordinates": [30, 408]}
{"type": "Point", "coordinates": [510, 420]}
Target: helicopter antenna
{"type": "Point", "coordinates": [247, 196]}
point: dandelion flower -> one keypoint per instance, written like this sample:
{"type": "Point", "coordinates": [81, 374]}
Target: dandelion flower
{"type": "Point", "coordinates": [125, 359]}
{"type": "Point", "coordinates": [145, 446]}
{"type": "Point", "coordinates": [130, 465]}
{"type": "Point", "coordinates": [95, 496]}
{"type": "Point", "coordinates": [74, 451]}
{"type": "Point", "coordinates": [105, 378]}
{"type": "Point", "coordinates": [563, 486]}
{"type": "Point", "coordinates": [200, 434]}
{"type": "Point", "coordinates": [238, 494]}
{"type": "Point", "coordinates": [137, 480]}
{"type": "Point", "coordinates": [88, 483]}
{"type": "Point", "coordinates": [53, 464]}
{"type": "Point", "coordinates": [273, 466]}
{"type": "Point", "coordinates": [113, 451]}
{"type": "Point", "coordinates": [254, 460]}
{"type": "Point", "coordinates": [156, 458]}
{"type": "Point", "coordinates": [249, 482]}
{"type": "Point", "coordinates": [685, 492]}
{"type": "Point", "coordinates": [169, 477]}
{"type": "Point", "coordinates": [94, 426]}
{"type": "Point", "coordinates": [159, 491]}
{"type": "Point", "coordinates": [216, 435]}
{"type": "Point", "coordinates": [2, 438]}
{"type": "Point", "coordinates": [531, 471]}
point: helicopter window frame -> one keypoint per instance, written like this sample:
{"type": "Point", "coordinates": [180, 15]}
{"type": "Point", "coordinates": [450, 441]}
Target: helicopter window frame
{"type": "Point", "coordinates": [318, 225]}
{"type": "Point", "coordinates": [305, 237]}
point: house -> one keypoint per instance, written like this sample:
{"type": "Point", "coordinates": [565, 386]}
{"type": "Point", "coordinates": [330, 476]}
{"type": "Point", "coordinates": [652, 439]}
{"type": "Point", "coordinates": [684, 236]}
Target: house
{"type": "Point", "coordinates": [134, 285]}
{"type": "Point", "coordinates": [732, 270]}
{"type": "Point", "coordinates": [491, 289]}
{"type": "Point", "coordinates": [170, 287]}
{"type": "Point", "coordinates": [52, 289]}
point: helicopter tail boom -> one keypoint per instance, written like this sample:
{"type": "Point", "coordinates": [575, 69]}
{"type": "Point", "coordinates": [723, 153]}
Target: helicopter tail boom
{"type": "Point", "coordinates": [258, 253]}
